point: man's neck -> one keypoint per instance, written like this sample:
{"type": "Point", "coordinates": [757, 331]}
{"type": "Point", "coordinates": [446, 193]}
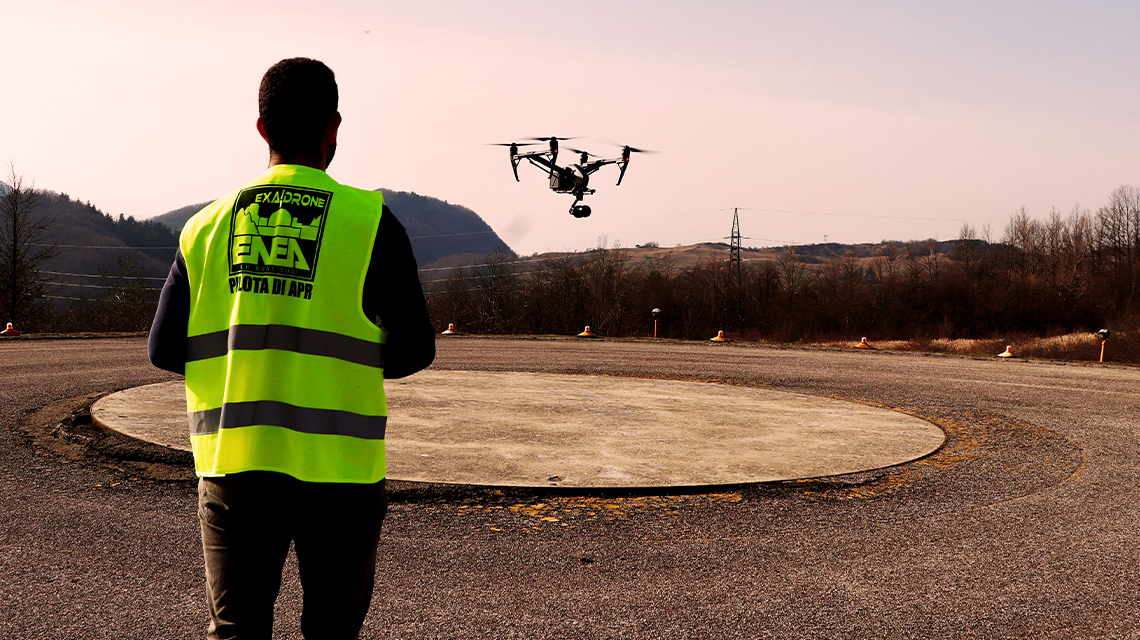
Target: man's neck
{"type": "Point", "coordinates": [303, 159]}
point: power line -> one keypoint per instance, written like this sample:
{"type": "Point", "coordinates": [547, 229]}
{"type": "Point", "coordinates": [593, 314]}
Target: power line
{"type": "Point", "coordinates": [88, 275]}
{"type": "Point", "coordinates": [450, 235]}
{"type": "Point", "coordinates": [475, 276]}
{"type": "Point", "coordinates": [93, 286]}
{"type": "Point", "coordinates": [529, 260]}
{"type": "Point", "coordinates": [487, 264]}
{"type": "Point", "coordinates": [619, 219]}
{"type": "Point", "coordinates": [99, 246]}
{"type": "Point", "coordinates": [443, 291]}
{"type": "Point", "coordinates": [96, 246]}
{"type": "Point", "coordinates": [865, 215]}
{"type": "Point", "coordinates": [72, 284]}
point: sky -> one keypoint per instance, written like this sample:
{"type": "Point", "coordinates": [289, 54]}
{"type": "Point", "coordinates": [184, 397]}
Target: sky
{"type": "Point", "coordinates": [838, 121]}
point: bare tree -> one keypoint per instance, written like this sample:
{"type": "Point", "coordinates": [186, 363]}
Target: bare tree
{"type": "Point", "coordinates": [497, 286]}
{"type": "Point", "coordinates": [129, 303]}
{"type": "Point", "coordinates": [22, 252]}
{"type": "Point", "coordinates": [844, 294]}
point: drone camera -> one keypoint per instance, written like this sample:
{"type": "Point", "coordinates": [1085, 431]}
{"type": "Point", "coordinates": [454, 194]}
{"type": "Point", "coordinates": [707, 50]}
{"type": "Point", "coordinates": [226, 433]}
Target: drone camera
{"type": "Point", "coordinates": [581, 211]}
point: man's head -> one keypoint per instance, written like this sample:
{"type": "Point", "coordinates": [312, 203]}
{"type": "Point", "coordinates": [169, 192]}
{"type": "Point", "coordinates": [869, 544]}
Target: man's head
{"type": "Point", "coordinates": [297, 106]}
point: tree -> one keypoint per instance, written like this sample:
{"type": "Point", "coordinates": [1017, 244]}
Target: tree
{"type": "Point", "coordinates": [22, 252]}
{"type": "Point", "coordinates": [496, 286]}
{"type": "Point", "coordinates": [128, 305]}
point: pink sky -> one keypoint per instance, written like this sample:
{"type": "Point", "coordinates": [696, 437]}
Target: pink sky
{"type": "Point", "coordinates": [899, 120]}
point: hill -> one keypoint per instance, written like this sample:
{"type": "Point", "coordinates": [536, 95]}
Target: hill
{"type": "Point", "coordinates": [442, 234]}
{"type": "Point", "coordinates": [90, 243]}
{"type": "Point", "coordinates": [691, 255]}
{"type": "Point", "coordinates": [177, 218]}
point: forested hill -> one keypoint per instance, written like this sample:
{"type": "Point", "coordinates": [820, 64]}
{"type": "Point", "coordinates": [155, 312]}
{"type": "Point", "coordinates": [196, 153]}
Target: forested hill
{"type": "Point", "coordinates": [177, 218]}
{"type": "Point", "coordinates": [441, 233]}
{"type": "Point", "coordinates": [90, 243]}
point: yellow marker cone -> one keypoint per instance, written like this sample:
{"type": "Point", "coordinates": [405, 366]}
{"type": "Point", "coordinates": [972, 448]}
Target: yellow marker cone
{"type": "Point", "coordinates": [587, 333]}
{"type": "Point", "coordinates": [719, 337]}
{"type": "Point", "coordinates": [1008, 353]}
{"type": "Point", "coordinates": [863, 344]}
{"type": "Point", "coordinates": [9, 331]}
{"type": "Point", "coordinates": [450, 330]}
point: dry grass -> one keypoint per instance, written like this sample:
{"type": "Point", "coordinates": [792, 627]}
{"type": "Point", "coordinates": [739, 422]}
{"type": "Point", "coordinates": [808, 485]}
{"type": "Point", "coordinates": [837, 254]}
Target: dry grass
{"type": "Point", "coordinates": [1123, 347]}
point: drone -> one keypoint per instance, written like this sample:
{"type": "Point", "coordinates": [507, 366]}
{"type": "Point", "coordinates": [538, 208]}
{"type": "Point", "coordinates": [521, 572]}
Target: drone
{"type": "Point", "coordinates": [573, 179]}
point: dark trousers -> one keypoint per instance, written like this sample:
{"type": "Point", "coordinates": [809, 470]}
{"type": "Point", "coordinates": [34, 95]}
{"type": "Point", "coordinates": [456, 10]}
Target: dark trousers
{"type": "Point", "coordinates": [248, 520]}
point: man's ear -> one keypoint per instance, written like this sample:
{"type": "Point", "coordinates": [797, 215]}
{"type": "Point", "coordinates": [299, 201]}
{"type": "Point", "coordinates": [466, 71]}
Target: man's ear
{"type": "Point", "coordinates": [261, 130]}
{"type": "Point", "coordinates": [330, 130]}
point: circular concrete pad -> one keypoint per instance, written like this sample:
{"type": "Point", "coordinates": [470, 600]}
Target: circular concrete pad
{"type": "Point", "coordinates": [577, 431]}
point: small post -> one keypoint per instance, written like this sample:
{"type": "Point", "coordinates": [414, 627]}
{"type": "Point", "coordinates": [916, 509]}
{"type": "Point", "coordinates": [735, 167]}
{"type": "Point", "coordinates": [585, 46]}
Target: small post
{"type": "Point", "coordinates": [1104, 334]}
{"type": "Point", "coordinates": [656, 313]}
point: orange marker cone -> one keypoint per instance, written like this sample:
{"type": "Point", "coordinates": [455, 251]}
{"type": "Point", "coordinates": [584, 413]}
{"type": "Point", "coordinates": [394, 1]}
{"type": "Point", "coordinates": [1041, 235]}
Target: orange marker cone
{"type": "Point", "coordinates": [587, 333]}
{"type": "Point", "coordinates": [9, 331]}
{"type": "Point", "coordinates": [450, 330]}
{"type": "Point", "coordinates": [1008, 353]}
{"type": "Point", "coordinates": [863, 344]}
{"type": "Point", "coordinates": [719, 337]}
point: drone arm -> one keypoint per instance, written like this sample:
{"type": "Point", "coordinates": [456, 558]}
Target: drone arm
{"type": "Point", "coordinates": [541, 162]}
{"type": "Point", "coordinates": [592, 167]}
{"type": "Point", "coordinates": [622, 164]}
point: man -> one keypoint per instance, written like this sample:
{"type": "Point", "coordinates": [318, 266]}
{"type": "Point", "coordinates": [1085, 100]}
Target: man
{"type": "Point", "coordinates": [272, 310]}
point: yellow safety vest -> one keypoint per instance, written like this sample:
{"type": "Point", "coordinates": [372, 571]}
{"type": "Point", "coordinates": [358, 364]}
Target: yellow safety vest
{"type": "Point", "coordinates": [284, 372]}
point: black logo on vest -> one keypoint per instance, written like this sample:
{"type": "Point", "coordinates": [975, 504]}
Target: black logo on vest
{"type": "Point", "coordinates": [276, 230]}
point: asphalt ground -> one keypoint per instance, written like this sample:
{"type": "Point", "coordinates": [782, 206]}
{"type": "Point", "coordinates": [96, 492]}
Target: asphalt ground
{"type": "Point", "coordinates": [1022, 525]}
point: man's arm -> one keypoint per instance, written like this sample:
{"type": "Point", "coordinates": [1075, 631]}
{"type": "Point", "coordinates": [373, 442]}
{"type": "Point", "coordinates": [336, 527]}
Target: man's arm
{"type": "Point", "coordinates": [393, 293]}
{"type": "Point", "coordinates": [166, 344]}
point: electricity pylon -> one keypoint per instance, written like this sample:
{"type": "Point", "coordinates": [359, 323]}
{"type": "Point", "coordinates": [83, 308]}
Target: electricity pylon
{"type": "Point", "coordinates": [734, 264]}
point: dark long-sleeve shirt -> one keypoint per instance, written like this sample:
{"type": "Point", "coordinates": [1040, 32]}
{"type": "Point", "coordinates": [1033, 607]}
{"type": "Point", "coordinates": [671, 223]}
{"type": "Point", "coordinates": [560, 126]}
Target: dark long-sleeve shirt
{"type": "Point", "coordinates": [392, 293]}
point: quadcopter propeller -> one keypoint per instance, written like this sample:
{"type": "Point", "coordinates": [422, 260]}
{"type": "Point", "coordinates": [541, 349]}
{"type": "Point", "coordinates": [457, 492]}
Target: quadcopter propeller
{"type": "Point", "coordinates": [511, 144]}
{"type": "Point", "coordinates": [626, 147]}
{"type": "Point", "coordinates": [549, 138]}
{"type": "Point", "coordinates": [583, 156]}
{"type": "Point", "coordinates": [626, 150]}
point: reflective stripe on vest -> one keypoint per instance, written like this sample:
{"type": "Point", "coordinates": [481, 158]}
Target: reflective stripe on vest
{"type": "Point", "coordinates": [279, 336]}
{"type": "Point", "coordinates": [283, 370]}
{"type": "Point", "coordinates": [287, 416]}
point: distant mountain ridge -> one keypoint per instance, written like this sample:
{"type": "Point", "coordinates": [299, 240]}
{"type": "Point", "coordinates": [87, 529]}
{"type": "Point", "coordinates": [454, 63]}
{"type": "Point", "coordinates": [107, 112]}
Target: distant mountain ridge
{"type": "Point", "coordinates": [442, 234]}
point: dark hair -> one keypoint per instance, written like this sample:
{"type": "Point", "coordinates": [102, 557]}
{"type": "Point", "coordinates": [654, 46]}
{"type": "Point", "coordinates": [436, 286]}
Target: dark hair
{"type": "Point", "coordinates": [296, 100]}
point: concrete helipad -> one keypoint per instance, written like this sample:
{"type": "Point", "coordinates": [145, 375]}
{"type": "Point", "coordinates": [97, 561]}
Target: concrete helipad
{"type": "Point", "coordinates": [578, 431]}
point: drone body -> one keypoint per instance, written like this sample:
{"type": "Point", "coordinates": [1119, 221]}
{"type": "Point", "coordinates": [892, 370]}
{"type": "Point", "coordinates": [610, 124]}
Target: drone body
{"type": "Point", "coordinates": [573, 179]}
